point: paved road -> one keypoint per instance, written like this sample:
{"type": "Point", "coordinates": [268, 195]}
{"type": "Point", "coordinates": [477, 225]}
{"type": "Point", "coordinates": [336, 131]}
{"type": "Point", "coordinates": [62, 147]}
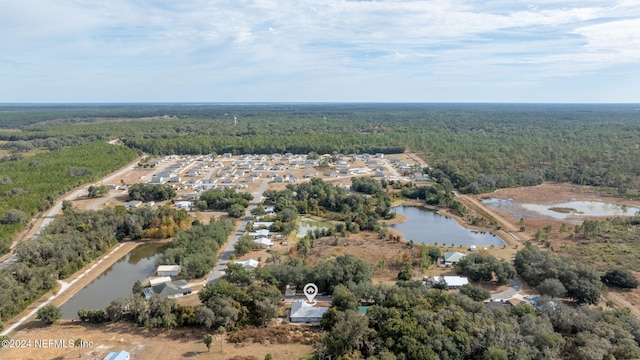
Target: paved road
{"type": "Point", "coordinates": [516, 286]}
{"type": "Point", "coordinates": [50, 215]}
{"type": "Point", "coordinates": [55, 209]}
{"type": "Point", "coordinates": [394, 173]}
{"type": "Point", "coordinates": [100, 202]}
{"type": "Point", "coordinates": [212, 172]}
{"type": "Point", "coordinates": [9, 261]}
{"type": "Point", "coordinates": [218, 270]}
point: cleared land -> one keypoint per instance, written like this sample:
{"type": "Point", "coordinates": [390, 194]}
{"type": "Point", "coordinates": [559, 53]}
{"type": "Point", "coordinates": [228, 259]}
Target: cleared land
{"type": "Point", "coordinates": [549, 193]}
{"type": "Point", "coordinates": [145, 344]}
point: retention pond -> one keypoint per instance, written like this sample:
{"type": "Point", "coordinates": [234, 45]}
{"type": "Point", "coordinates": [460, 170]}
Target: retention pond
{"type": "Point", "coordinates": [117, 281]}
{"type": "Point", "coordinates": [427, 226]}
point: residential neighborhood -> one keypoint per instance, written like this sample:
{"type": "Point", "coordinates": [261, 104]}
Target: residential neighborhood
{"type": "Point", "coordinates": [192, 174]}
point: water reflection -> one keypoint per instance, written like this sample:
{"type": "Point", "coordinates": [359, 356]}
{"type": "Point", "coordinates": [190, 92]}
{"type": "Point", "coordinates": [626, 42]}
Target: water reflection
{"type": "Point", "coordinates": [116, 281]}
{"type": "Point", "coordinates": [576, 209]}
{"type": "Point", "coordinates": [426, 226]}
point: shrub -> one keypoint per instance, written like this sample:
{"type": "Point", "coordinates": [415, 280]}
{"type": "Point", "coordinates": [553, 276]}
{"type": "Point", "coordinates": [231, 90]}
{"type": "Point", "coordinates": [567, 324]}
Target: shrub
{"type": "Point", "coordinates": [621, 278]}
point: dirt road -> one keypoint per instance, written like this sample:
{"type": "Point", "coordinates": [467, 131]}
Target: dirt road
{"type": "Point", "coordinates": [417, 159]}
{"type": "Point", "coordinates": [622, 302]}
{"type": "Point", "coordinates": [69, 286]}
{"type": "Point", "coordinates": [510, 229]}
{"type": "Point", "coordinates": [39, 222]}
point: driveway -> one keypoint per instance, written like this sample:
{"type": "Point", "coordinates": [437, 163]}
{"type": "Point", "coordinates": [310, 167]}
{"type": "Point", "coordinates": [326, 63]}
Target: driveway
{"type": "Point", "coordinates": [516, 286]}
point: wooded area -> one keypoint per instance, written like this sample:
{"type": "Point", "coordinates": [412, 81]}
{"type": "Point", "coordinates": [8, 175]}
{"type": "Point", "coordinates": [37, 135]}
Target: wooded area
{"type": "Point", "coordinates": [48, 150]}
{"type": "Point", "coordinates": [73, 240]}
{"type": "Point", "coordinates": [34, 183]}
{"type": "Point", "coordinates": [476, 147]}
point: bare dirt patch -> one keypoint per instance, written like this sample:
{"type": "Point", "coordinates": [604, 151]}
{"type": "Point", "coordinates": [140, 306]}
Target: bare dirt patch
{"type": "Point", "coordinates": [144, 344]}
{"type": "Point", "coordinates": [550, 193]}
{"type": "Point", "coordinates": [380, 253]}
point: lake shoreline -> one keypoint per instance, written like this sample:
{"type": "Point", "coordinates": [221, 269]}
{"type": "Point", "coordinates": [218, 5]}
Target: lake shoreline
{"type": "Point", "coordinates": [477, 237]}
{"type": "Point", "coordinates": [440, 211]}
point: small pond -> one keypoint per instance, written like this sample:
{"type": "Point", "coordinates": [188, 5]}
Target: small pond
{"type": "Point", "coordinates": [116, 281]}
{"type": "Point", "coordinates": [305, 225]}
{"type": "Point", "coordinates": [575, 209]}
{"type": "Point", "coordinates": [427, 226]}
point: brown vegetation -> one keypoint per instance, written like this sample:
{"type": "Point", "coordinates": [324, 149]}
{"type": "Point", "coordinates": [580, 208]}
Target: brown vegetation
{"type": "Point", "coordinates": [143, 344]}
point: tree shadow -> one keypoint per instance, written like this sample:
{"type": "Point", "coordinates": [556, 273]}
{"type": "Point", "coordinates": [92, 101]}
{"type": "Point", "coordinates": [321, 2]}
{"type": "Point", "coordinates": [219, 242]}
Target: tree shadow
{"type": "Point", "coordinates": [183, 334]}
{"type": "Point", "coordinates": [31, 324]}
{"type": "Point", "coordinates": [190, 354]}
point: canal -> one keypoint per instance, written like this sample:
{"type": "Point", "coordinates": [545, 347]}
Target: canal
{"type": "Point", "coordinates": [116, 281]}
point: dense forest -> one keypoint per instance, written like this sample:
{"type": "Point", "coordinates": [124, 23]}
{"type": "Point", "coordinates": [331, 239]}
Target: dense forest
{"type": "Point", "coordinates": [476, 147]}
{"type": "Point", "coordinates": [195, 249]}
{"type": "Point", "coordinates": [32, 184]}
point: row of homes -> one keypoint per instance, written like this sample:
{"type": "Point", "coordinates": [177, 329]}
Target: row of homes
{"type": "Point", "coordinates": [205, 172]}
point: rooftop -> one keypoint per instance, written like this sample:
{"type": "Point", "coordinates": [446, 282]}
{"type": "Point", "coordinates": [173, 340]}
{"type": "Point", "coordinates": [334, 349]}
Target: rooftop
{"type": "Point", "coordinates": [453, 281]}
{"type": "Point", "coordinates": [453, 257]}
{"type": "Point", "coordinates": [303, 310]}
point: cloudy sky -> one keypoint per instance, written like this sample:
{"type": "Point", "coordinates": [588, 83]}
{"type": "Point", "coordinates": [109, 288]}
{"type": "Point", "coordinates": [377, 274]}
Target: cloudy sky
{"type": "Point", "coordinates": [319, 51]}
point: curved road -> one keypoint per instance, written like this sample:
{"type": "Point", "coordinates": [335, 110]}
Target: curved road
{"type": "Point", "coordinates": [218, 270]}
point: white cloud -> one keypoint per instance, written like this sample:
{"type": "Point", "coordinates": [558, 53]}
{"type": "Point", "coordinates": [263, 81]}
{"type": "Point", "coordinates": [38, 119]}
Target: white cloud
{"type": "Point", "coordinates": [297, 43]}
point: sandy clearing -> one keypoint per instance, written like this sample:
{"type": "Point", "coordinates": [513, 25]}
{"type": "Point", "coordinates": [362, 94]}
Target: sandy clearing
{"type": "Point", "coordinates": [142, 343]}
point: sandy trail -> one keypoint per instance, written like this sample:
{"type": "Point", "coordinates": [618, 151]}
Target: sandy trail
{"type": "Point", "coordinates": [622, 302]}
{"type": "Point", "coordinates": [512, 231]}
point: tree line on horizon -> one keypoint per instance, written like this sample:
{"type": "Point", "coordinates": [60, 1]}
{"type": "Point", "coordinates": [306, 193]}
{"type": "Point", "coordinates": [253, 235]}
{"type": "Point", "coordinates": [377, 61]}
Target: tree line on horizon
{"type": "Point", "coordinates": [477, 148]}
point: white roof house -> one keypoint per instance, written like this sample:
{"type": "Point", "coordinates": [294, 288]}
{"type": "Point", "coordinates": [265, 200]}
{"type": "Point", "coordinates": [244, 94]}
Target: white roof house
{"type": "Point", "coordinates": [183, 204]}
{"type": "Point", "coordinates": [302, 312]}
{"type": "Point", "coordinates": [168, 270]}
{"type": "Point", "coordinates": [261, 233]}
{"type": "Point", "coordinates": [452, 281]}
{"type": "Point", "coordinates": [264, 242]}
{"type": "Point", "coordinates": [249, 263]}
{"type": "Point", "coordinates": [132, 204]}
{"type": "Point", "coordinates": [262, 224]}
{"type": "Point", "coordinates": [159, 280]}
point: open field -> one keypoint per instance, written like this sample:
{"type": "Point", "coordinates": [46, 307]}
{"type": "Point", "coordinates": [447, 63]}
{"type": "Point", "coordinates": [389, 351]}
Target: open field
{"type": "Point", "coordinates": [550, 193]}
{"type": "Point", "coordinates": [143, 344]}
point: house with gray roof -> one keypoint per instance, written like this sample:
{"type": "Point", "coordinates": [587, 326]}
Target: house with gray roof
{"type": "Point", "coordinates": [303, 312]}
{"type": "Point", "coordinates": [170, 289]}
{"type": "Point", "coordinates": [452, 258]}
